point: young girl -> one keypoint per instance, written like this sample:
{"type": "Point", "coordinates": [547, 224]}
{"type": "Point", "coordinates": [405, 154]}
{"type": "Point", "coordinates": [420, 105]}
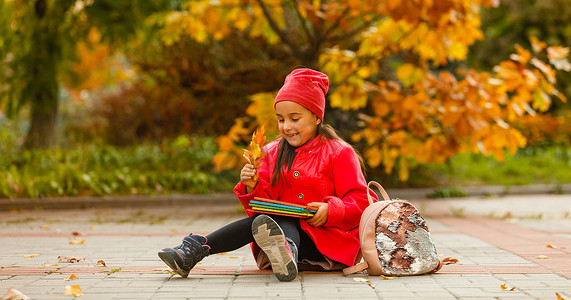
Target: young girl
{"type": "Point", "coordinates": [309, 165]}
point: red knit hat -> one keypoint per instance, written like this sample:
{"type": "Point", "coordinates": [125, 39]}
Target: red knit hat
{"type": "Point", "coordinates": [307, 88]}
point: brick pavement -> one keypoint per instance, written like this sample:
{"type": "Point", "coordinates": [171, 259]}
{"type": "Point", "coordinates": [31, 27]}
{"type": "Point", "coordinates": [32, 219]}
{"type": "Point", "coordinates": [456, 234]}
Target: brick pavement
{"type": "Point", "coordinates": [492, 252]}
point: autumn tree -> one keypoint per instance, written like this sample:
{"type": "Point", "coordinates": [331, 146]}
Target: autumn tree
{"type": "Point", "coordinates": [394, 61]}
{"type": "Point", "coordinates": [39, 43]}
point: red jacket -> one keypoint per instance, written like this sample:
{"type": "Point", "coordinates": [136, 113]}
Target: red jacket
{"type": "Point", "coordinates": [323, 171]}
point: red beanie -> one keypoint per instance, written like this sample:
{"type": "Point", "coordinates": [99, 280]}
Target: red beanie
{"type": "Point", "coordinates": [307, 88]}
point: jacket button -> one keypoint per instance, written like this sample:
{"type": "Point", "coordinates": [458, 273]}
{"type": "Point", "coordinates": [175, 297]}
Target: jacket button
{"type": "Point", "coordinates": [300, 196]}
{"type": "Point", "coordinates": [296, 174]}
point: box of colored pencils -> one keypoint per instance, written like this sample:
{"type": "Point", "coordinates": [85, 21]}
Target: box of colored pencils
{"type": "Point", "coordinates": [281, 208]}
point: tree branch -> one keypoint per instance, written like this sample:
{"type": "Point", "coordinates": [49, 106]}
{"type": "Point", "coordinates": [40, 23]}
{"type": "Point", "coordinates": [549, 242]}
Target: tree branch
{"type": "Point", "coordinates": [282, 34]}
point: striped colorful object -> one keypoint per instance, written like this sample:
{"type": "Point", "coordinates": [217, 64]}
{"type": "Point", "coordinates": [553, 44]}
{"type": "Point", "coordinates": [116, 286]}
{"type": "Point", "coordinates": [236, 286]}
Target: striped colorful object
{"type": "Point", "coordinates": [276, 207]}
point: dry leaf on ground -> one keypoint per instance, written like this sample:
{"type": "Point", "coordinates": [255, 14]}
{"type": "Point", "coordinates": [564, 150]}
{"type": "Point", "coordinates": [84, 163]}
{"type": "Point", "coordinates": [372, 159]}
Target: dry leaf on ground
{"type": "Point", "coordinates": [559, 296]}
{"type": "Point", "coordinates": [507, 288]}
{"type": "Point", "coordinates": [31, 255]}
{"type": "Point", "coordinates": [70, 259]}
{"type": "Point", "coordinates": [77, 242]}
{"type": "Point", "coordinates": [542, 257]}
{"type": "Point", "coordinates": [73, 290]}
{"type": "Point", "coordinates": [365, 281]}
{"type": "Point", "coordinates": [449, 261]}
{"type": "Point", "coordinates": [71, 277]}
{"type": "Point", "coordinates": [102, 262]}
{"type": "Point", "coordinates": [14, 294]}
{"type": "Point", "coordinates": [386, 277]}
{"type": "Point", "coordinates": [45, 227]}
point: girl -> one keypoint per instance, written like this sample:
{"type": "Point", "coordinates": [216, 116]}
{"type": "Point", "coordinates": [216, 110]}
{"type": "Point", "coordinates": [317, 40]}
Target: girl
{"type": "Point", "coordinates": [309, 165]}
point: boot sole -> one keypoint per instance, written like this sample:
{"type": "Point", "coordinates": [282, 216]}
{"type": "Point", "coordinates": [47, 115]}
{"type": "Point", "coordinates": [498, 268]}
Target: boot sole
{"type": "Point", "coordinates": [271, 239]}
{"type": "Point", "coordinates": [168, 258]}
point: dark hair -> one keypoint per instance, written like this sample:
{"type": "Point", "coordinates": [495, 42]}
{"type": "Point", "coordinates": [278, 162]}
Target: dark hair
{"type": "Point", "coordinates": [286, 152]}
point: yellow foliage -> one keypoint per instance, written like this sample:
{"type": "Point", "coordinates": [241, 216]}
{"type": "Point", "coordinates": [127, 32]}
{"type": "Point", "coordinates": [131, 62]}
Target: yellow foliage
{"type": "Point", "coordinates": [420, 116]}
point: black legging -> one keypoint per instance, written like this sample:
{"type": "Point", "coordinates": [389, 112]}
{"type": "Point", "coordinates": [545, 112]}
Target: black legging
{"type": "Point", "coordinates": [237, 234]}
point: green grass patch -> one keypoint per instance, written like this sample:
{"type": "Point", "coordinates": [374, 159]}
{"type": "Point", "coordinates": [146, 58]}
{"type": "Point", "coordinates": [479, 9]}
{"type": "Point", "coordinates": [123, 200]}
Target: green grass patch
{"type": "Point", "coordinates": [183, 165]}
{"type": "Point", "coordinates": [541, 165]}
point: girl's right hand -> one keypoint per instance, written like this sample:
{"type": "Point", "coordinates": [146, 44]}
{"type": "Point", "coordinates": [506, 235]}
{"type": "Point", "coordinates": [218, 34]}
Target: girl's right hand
{"type": "Point", "coordinates": [247, 177]}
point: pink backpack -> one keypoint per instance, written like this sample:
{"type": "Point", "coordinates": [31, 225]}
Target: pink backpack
{"type": "Point", "coordinates": [394, 239]}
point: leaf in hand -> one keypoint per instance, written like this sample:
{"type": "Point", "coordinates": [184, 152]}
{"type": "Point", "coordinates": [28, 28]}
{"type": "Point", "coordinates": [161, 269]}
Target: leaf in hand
{"type": "Point", "coordinates": [254, 152]}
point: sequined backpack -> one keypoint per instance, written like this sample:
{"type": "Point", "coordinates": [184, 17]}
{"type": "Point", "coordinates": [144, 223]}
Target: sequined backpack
{"type": "Point", "coordinates": [395, 240]}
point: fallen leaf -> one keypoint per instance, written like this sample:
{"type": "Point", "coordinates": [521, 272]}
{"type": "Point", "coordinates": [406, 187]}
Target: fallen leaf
{"type": "Point", "coordinates": [234, 257]}
{"type": "Point", "coordinates": [167, 270]}
{"type": "Point", "coordinates": [507, 288]}
{"type": "Point", "coordinates": [73, 290]}
{"type": "Point", "coordinates": [222, 253]}
{"type": "Point", "coordinates": [173, 230]}
{"type": "Point", "coordinates": [75, 233]}
{"type": "Point", "coordinates": [386, 277]}
{"type": "Point", "coordinates": [365, 281]}
{"type": "Point", "coordinates": [449, 261]}
{"type": "Point", "coordinates": [71, 277]}
{"type": "Point", "coordinates": [45, 227]}
{"type": "Point", "coordinates": [51, 265]}
{"type": "Point", "coordinates": [559, 297]}
{"type": "Point", "coordinates": [31, 255]}
{"type": "Point", "coordinates": [70, 259]}
{"type": "Point", "coordinates": [77, 242]}
{"type": "Point", "coordinates": [102, 262]}
{"type": "Point", "coordinates": [93, 227]}
{"type": "Point", "coordinates": [14, 294]}
{"type": "Point", "coordinates": [542, 257]}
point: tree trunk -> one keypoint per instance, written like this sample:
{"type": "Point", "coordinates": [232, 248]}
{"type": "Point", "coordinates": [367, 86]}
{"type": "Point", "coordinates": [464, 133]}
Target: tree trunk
{"type": "Point", "coordinates": [44, 88]}
{"type": "Point", "coordinates": [42, 131]}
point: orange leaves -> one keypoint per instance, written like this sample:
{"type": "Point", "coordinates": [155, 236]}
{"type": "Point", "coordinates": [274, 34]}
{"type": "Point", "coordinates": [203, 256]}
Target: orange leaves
{"type": "Point", "coordinates": [74, 290]}
{"type": "Point", "coordinates": [254, 152]}
{"type": "Point", "coordinates": [428, 117]}
{"type": "Point", "coordinates": [507, 288]}
{"type": "Point", "coordinates": [449, 261]}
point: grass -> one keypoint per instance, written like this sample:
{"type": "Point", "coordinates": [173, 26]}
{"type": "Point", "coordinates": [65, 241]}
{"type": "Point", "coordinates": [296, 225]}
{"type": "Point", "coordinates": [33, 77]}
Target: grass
{"type": "Point", "coordinates": [179, 166]}
{"type": "Point", "coordinates": [536, 165]}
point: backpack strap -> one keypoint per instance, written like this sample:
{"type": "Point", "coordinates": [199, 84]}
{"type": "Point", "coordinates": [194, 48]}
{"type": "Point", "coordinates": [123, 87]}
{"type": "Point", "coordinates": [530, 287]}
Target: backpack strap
{"type": "Point", "coordinates": [380, 188]}
{"type": "Point", "coordinates": [355, 268]}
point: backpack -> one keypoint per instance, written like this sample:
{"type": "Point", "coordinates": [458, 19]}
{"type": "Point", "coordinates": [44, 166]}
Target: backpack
{"type": "Point", "coordinates": [395, 240]}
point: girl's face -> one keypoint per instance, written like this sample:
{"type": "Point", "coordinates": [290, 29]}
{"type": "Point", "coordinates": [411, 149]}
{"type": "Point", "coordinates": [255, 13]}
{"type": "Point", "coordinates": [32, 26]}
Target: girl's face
{"type": "Point", "coordinates": [296, 123]}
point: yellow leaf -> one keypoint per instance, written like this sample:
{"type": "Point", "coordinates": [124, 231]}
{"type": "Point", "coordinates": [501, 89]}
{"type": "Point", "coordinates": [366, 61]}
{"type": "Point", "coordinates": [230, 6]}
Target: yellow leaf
{"type": "Point", "coordinates": [77, 242]}
{"type": "Point", "coordinates": [403, 169]}
{"type": "Point", "coordinates": [102, 262]}
{"type": "Point", "coordinates": [559, 296]}
{"type": "Point", "coordinates": [73, 290]}
{"type": "Point", "coordinates": [45, 227]}
{"type": "Point", "coordinates": [386, 277]}
{"type": "Point", "coordinates": [507, 288]}
{"type": "Point", "coordinates": [409, 74]}
{"type": "Point", "coordinates": [31, 255]}
{"type": "Point", "coordinates": [71, 277]}
{"type": "Point", "coordinates": [374, 156]}
{"type": "Point", "coordinates": [536, 44]}
{"type": "Point", "coordinates": [93, 227]}
{"type": "Point", "coordinates": [542, 257]}
{"type": "Point", "coordinates": [70, 259]}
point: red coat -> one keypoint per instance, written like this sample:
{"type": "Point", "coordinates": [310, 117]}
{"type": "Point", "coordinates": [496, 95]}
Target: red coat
{"type": "Point", "coordinates": [323, 171]}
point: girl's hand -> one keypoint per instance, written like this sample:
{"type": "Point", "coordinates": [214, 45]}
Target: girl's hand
{"type": "Point", "coordinates": [247, 177]}
{"type": "Point", "coordinates": [320, 217]}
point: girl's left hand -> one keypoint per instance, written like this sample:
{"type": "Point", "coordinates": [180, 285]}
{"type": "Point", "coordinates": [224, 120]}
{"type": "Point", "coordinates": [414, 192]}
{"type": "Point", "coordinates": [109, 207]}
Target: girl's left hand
{"type": "Point", "coordinates": [320, 217]}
